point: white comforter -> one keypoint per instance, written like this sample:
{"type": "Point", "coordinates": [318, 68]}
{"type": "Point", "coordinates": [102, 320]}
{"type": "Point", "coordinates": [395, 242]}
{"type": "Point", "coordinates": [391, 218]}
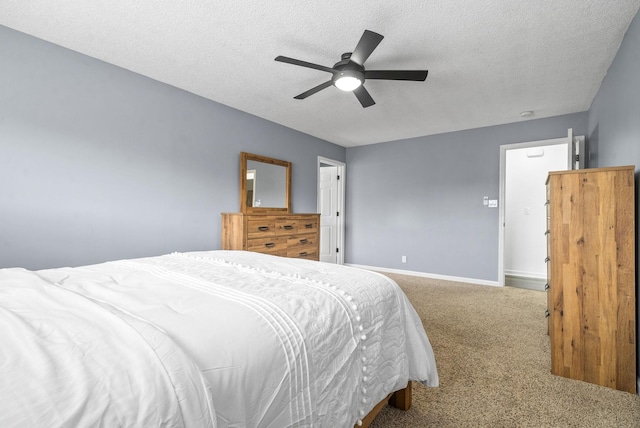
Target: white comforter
{"type": "Point", "coordinates": [67, 361]}
{"type": "Point", "coordinates": [282, 342]}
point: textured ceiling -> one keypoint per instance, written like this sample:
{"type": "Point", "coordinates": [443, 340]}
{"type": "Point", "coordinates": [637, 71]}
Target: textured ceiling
{"type": "Point", "coordinates": [488, 60]}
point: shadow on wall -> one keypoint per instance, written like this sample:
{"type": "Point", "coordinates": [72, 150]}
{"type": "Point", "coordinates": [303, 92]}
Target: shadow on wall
{"type": "Point", "coordinates": [637, 178]}
{"type": "Point", "coordinates": [592, 149]}
{"type": "Point", "coordinates": [637, 184]}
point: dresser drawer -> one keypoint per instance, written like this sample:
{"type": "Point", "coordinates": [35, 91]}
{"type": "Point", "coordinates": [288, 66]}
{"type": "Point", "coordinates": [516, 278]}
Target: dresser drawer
{"type": "Point", "coordinates": [261, 228]}
{"type": "Point", "coordinates": [307, 226]}
{"type": "Point", "coordinates": [274, 245]}
{"type": "Point", "coordinates": [286, 226]}
{"type": "Point", "coordinates": [307, 252]}
{"type": "Point", "coordinates": [305, 241]}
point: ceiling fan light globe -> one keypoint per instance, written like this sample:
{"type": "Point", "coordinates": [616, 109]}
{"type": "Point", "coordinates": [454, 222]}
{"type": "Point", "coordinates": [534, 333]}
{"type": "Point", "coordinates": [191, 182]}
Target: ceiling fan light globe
{"type": "Point", "coordinates": [347, 83]}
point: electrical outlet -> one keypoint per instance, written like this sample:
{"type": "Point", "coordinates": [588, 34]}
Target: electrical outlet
{"type": "Point", "coordinates": [493, 203]}
{"type": "Point", "coordinates": [404, 259]}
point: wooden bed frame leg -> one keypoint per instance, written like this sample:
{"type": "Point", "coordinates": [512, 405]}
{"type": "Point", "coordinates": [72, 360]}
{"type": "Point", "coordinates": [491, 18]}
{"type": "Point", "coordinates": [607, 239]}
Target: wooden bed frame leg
{"type": "Point", "coordinates": [401, 399]}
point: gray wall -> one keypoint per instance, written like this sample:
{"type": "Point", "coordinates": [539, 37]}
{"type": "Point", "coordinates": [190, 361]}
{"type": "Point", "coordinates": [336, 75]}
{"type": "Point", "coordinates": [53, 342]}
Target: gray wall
{"type": "Point", "coordinates": [98, 163]}
{"type": "Point", "coordinates": [423, 198]}
{"type": "Point", "coordinates": [614, 122]}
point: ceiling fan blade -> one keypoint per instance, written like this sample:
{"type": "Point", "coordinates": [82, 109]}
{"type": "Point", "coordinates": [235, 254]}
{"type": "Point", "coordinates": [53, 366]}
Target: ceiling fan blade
{"type": "Point", "coordinates": [312, 91]}
{"type": "Point", "coordinates": [368, 42]}
{"type": "Point", "coordinates": [363, 96]}
{"type": "Point", "coordinates": [415, 75]}
{"type": "Point", "coordinates": [293, 61]}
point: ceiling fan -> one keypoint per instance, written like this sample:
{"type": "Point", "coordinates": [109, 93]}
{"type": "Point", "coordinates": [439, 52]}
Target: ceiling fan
{"type": "Point", "coordinates": [349, 73]}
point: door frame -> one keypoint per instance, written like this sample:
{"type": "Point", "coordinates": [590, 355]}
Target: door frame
{"type": "Point", "coordinates": [575, 146]}
{"type": "Point", "coordinates": [342, 173]}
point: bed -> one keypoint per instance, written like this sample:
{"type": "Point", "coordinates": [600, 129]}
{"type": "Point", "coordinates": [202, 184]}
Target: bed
{"type": "Point", "coordinates": [206, 339]}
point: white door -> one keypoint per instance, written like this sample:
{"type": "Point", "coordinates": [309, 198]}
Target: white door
{"type": "Point", "coordinates": [525, 244]}
{"type": "Point", "coordinates": [522, 242]}
{"type": "Point", "coordinates": [328, 201]}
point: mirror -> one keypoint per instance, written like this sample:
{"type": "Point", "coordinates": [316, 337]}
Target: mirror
{"type": "Point", "coordinates": [265, 184]}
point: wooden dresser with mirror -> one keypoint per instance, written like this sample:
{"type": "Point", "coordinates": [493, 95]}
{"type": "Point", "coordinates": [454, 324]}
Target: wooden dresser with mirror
{"type": "Point", "coordinates": [265, 223]}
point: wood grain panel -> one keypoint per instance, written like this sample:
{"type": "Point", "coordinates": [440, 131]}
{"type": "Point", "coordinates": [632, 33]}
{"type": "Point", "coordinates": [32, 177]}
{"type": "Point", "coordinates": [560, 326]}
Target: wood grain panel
{"type": "Point", "coordinates": [232, 241]}
{"type": "Point", "coordinates": [592, 276]}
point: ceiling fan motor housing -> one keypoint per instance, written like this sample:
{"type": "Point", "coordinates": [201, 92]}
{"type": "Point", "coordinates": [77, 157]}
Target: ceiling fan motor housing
{"type": "Point", "coordinates": [348, 68]}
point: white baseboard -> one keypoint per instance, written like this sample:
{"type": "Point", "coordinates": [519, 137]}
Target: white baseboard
{"type": "Point", "coordinates": [428, 275]}
{"type": "Point", "coordinates": [529, 283]}
{"type": "Point", "coordinates": [525, 274]}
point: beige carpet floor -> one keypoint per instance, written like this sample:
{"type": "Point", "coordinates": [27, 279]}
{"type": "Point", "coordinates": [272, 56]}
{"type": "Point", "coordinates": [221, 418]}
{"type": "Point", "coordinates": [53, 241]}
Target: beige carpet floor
{"type": "Point", "coordinates": [493, 357]}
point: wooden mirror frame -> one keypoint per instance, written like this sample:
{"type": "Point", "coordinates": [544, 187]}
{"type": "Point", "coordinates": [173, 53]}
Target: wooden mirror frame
{"type": "Point", "coordinates": [244, 158]}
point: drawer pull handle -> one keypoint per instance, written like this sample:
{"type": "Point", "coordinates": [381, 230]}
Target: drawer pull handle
{"type": "Point", "coordinates": [546, 259]}
{"type": "Point", "coordinates": [546, 287]}
{"type": "Point", "coordinates": [304, 254]}
{"type": "Point", "coordinates": [270, 245]}
{"type": "Point", "coordinates": [304, 241]}
{"type": "Point", "coordinates": [546, 313]}
{"type": "Point", "coordinates": [288, 227]}
{"type": "Point", "coordinates": [308, 225]}
{"type": "Point", "coordinates": [263, 228]}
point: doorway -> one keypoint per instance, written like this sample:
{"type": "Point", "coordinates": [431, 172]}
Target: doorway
{"type": "Point", "coordinates": [331, 189]}
{"type": "Point", "coordinates": [523, 171]}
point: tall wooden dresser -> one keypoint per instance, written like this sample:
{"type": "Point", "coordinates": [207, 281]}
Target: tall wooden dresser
{"type": "Point", "coordinates": [591, 275]}
{"type": "Point", "coordinates": [287, 235]}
